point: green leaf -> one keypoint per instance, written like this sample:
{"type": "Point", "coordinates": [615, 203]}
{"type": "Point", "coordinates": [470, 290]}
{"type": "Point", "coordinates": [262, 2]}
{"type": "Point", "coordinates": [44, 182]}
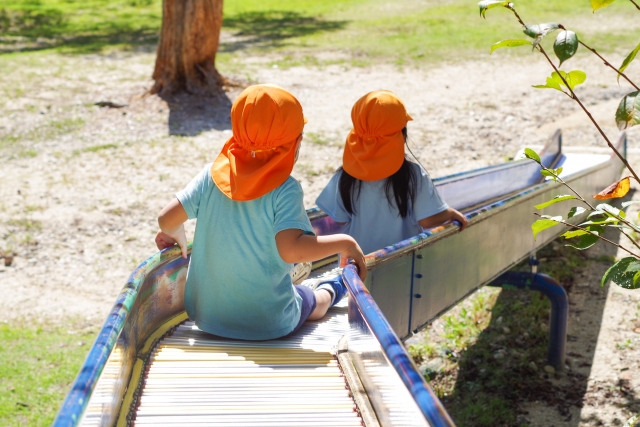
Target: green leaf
{"type": "Point", "coordinates": [628, 60]}
{"type": "Point", "coordinates": [538, 31]}
{"type": "Point", "coordinates": [636, 279]}
{"type": "Point", "coordinates": [633, 268]}
{"type": "Point", "coordinates": [575, 77]}
{"type": "Point", "coordinates": [628, 113]}
{"type": "Point", "coordinates": [584, 242]}
{"type": "Point", "coordinates": [601, 221]}
{"type": "Point", "coordinates": [596, 229]}
{"type": "Point", "coordinates": [553, 82]}
{"type": "Point", "coordinates": [552, 174]}
{"type": "Point", "coordinates": [547, 173]}
{"type": "Point", "coordinates": [610, 210]}
{"type": "Point", "coordinates": [574, 233]}
{"type": "Point", "coordinates": [566, 45]}
{"type": "Point", "coordinates": [598, 4]}
{"type": "Point", "coordinates": [588, 237]}
{"type": "Point", "coordinates": [623, 273]}
{"type": "Point", "coordinates": [530, 154]}
{"type": "Point", "coordinates": [508, 43]}
{"type": "Point", "coordinates": [575, 211]}
{"type": "Point", "coordinates": [490, 4]}
{"type": "Point", "coordinates": [544, 223]}
{"type": "Point", "coordinates": [599, 217]}
{"type": "Point", "coordinates": [554, 201]}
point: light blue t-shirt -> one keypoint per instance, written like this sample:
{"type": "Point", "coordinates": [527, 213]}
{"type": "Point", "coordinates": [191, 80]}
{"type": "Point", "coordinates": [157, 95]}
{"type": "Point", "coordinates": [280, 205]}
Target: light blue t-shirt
{"type": "Point", "coordinates": [377, 224]}
{"type": "Point", "coordinates": [237, 284]}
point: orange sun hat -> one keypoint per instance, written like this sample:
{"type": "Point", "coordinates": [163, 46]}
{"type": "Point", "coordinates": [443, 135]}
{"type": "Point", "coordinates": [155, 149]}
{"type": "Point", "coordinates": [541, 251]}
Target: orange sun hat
{"type": "Point", "coordinates": [375, 147]}
{"type": "Point", "coordinates": [266, 122]}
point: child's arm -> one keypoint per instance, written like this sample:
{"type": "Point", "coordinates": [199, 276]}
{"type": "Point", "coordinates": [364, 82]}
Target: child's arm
{"type": "Point", "coordinates": [171, 219]}
{"type": "Point", "coordinates": [440, 218]}
{"type": "Point", "coordinates": [295, 246]}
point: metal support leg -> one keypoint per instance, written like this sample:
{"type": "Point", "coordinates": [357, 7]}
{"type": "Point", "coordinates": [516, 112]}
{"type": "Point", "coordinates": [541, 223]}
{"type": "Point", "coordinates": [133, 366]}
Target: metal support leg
{"type": "Point", "coordinates": [559, 308]}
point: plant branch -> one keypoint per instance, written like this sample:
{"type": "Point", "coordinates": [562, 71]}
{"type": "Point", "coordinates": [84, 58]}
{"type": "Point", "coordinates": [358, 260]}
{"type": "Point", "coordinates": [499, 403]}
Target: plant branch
{"type": "Point", "coordinates": [628, 224]}
{"type": "Point", "coordinates": [609, 65]}
{"type": "Point", "coordinates": [635, 4]}
{"type": "Point", "coordinates": [625, 222]}
{"type": "Point", "coordinates": [512, 9]}
{"type": "Point", "coordinates": [589, 232]}
{"type": "Point", "coordinates": [630, 238]}
{"type": "Point", "coordinates": [567, 185]}
{"type": "Point", "coordinates": [618, 217]}
{"type": "Point", "coordinates": [574, 96]}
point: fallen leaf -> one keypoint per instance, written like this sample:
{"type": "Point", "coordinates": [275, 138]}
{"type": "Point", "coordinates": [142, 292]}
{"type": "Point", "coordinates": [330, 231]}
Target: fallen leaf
{"type": "Point", "coordinates": [615, 190]}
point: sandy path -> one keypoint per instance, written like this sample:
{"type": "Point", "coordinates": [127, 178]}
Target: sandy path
{"type": "Point", "coordinates": [81, 216]}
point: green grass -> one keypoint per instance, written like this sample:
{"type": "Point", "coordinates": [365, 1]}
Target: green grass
{"type": "Point", "coordinates": [26, 223]}
{"type": "Point", "coordinates": [406, 33]}
{"type": "Point", "coordinates": [37, 366]}
{"type": "Point", "coordinates": [319, 138]}
{"type": "Point", "coordinates": [48, 131]}
{"type": "Point", "coordinates": [78, 26]}
{"type": "Point", "coordinates": [400, 32]}
{"type": "Point", "coordinates": [95, 148]}
{"type": "Point", "coordinates": [477, 386]}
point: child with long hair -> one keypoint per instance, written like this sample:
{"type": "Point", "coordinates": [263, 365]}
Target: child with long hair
{"type": "Point", "coordinates": [378, 194]}
{"type": "Point", "coordinates": [252, 226]}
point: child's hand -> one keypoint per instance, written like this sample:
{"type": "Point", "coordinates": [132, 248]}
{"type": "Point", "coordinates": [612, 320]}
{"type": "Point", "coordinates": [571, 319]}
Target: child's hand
{"type": "Point", "coordinates": [166, 240]}
{"type": "Point", "coordinates": [356, 254]}
{"type": "Point", "coordinates": [457, 216]}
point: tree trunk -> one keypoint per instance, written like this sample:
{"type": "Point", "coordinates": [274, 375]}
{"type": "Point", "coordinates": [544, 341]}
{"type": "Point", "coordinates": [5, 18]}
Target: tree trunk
{"type": "Point", "coordinates": [187, 49]}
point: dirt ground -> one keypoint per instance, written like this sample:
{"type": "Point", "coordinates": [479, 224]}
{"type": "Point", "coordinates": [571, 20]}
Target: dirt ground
{"type": "Point", "coordinates": [82, 184]}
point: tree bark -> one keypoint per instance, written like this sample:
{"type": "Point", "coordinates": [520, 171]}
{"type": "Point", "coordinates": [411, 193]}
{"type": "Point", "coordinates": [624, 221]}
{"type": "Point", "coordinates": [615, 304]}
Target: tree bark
{"type": "Point", "coordinates": [187, 48]}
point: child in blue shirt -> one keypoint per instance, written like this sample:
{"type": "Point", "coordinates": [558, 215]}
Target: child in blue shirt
{"type": "Point", "coordinates": [378, 195]}
{"type": "Point", "coordinates": [252, 226]}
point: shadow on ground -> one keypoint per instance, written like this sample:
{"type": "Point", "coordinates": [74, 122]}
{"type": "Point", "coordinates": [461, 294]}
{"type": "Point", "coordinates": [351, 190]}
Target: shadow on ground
{"type": "Point", "coordinates": [272, 28]}
{"type": "Point", "coordinates": [47, 28]}
{"type": "Point", "coordinates": [33, 29]}
{"type": "Point", "coordinates": [190, 115]}
{"type": "Point", "coordinates": [505, 369]}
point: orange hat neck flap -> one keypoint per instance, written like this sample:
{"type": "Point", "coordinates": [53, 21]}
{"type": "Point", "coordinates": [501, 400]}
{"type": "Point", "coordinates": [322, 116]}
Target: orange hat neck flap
{"type": "Point", "coordinates": [266, 121]}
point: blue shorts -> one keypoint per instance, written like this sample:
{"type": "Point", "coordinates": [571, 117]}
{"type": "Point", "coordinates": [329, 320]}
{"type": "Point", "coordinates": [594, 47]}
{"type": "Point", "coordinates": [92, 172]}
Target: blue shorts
{"type": "Point", "coordinates": [308, 305]}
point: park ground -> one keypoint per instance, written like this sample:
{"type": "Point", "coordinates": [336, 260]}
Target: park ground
{"type": "Point", "coordinates": [89, 158]}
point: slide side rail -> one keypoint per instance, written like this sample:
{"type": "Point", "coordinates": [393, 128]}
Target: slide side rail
{"type": "Point", "coordinates": [393, 349]}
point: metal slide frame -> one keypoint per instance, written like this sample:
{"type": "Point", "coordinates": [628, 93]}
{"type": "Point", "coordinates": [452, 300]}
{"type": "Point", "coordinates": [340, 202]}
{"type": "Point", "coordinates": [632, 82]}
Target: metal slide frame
{"type": "Point", "coordinates": [412, 282]}
{"type": "Point", "coordinates": [417, 280]}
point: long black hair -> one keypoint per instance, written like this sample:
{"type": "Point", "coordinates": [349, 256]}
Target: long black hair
{"type": "Point", "coordinates": [399, 187]}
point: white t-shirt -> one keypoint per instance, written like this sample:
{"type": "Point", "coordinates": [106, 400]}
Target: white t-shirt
{"type": "Point", "coordinates": [376, 223]}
